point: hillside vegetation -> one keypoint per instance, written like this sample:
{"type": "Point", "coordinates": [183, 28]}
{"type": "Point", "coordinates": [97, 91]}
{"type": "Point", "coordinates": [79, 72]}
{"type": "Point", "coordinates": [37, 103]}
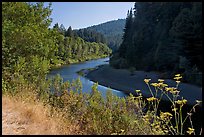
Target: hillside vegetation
{"type": "Point", "coordinates": [165, 37]}
{"type": "Point", "coordinates": [110, 32]}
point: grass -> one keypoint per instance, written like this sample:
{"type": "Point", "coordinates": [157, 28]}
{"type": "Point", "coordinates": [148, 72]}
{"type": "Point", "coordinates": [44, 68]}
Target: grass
{"type": "Point", "coordinates": [33, 118]}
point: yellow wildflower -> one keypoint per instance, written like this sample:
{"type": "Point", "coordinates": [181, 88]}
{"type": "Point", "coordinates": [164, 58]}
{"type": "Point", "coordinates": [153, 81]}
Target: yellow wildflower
{"type": "Point", "coordinates": [170, 88]}
{"type": "Point", "coordinates": [147, 80]}
{"type": "Point", "coordinates": [137, 91]}
{"type": "Point", "coordinates": [154, 84]}
{"type": "Point", "coordinates": [151, 99]}
{"type": "Point", "coordinates": [181, 102]}
{"type": "Point", "coordinates": [160, 80]}
{"type": "Point", "coordinates": [168, 114]}
{"type": "Point", "coordinates": [160, 83]}
{"type": "Point", "coordinates": [190, 130]}
{"type": "Point", "coordinates": [177, 78]}
{"type": "Point", "coordinates": [174, 91]}
{"type": "Point", "coordinates": [177, 75]}
{"type": "Point", "coordinates": [165, 115]}
{"type": "Point", "coordinates": [164, 85]}
{"type": "Point", "coordinates": [167, 88]}
{"type": "Point", "coordinates": [174, 109]}
{"type": "Point", "coordinates": [184, 101]}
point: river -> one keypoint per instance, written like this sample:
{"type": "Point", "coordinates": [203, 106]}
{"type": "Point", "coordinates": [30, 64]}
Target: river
{"type": "Point", "coordinates": [69, 72]}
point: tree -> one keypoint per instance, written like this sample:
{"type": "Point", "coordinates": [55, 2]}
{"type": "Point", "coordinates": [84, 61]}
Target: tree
{"type": "Point", "coordinates": [187, 28]}
{"type": "Point", "coordinates": [69, 32]}
{"type": "Point", "coordinates": [56, 26]}
{"type": "Point", "coordinates": [127, 35]}
{"type": "Point", "coordinates": [26, 37]}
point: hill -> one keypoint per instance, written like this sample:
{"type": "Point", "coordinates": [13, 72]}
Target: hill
{"type": "Point", "coordinates": [111, 30]}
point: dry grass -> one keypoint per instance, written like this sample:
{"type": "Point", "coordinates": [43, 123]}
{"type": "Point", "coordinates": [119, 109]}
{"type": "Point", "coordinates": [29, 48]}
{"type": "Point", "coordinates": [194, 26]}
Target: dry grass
{"type": "Point", "coordinates": [23, 117]}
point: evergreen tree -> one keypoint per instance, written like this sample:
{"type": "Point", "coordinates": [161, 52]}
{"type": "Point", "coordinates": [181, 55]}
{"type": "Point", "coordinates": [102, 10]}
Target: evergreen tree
{"type": "Point", "coordinates": [69, 32]}
{"type": "Point", "coordinates": [126, 35]}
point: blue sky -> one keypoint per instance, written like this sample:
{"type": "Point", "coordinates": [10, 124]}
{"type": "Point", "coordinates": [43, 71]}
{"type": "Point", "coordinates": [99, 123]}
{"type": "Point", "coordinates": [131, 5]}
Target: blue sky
{"type": "Point", "coordinates": [84, 14]}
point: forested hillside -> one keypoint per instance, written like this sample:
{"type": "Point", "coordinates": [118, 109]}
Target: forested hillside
{"type": "Point", "coordinates": [165, 37]}
{"type": "Point", "coordinates": [110, 33]}
{"type": "Point", "coordinates": [30, 48]}
{"type": "Point", "coordinates": [91, 35]}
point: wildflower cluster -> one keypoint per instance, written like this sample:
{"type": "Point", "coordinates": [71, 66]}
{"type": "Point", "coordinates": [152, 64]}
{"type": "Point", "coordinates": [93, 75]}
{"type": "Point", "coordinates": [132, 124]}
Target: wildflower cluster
{"type": "Point", "coordinates": [172, 90]}
{"type": "Point", "coordinates": [181, 102]}
{"type": "Point", "coordinates": [177, 78]}
{"type": "Point", "coordinates": [190, 131]}
{"type": "Point", "coordinates": [147, 80]}
{"type": "Point", "coordinates": [151, 99]}
{"type": "Point", "coordinates": [165, 117]}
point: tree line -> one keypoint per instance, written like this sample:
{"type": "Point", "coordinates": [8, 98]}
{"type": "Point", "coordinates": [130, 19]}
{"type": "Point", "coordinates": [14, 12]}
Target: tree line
{"type": "Point", "coordinates": [165, 37]}
{"type": "Point", "coordinates": [109, 33]}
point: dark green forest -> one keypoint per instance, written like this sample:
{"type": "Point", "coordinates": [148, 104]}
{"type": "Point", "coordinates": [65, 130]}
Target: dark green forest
{"type": "Point", "coordinates": [90, 35]}
{"type": "Point", "coordinates": [110, 33]}
{"type": "Point", "coordinates": [30, 48]}
{"type": "Point", "coordinates": [164, 37]}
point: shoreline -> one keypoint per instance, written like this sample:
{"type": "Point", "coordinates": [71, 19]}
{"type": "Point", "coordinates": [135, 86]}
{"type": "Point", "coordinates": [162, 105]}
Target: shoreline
{"type": "Point", "coordinates": [122, 80]}
{"type": "Point", "coordinates": [73, 61]}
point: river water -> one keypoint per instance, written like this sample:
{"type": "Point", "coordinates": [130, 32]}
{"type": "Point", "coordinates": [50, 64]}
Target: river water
{"type": "Point", "coordinates": [69, 72]}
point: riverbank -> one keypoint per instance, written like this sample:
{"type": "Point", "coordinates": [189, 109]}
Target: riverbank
{"type": "Point", "coordinates": [74, 61]}
{"type": "Point", "coordinates": [128, 82]}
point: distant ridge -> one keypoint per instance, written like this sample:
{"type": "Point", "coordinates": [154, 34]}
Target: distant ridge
{"type": "Point", "coordinates": [111, 30]}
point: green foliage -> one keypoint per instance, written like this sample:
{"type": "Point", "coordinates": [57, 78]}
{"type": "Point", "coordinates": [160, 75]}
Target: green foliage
{"type": "Point", "coordinates": [114, 115]}
{"type": "Point", "coordinates": [90, 35]}
{"type": "Point", "coordinates": [157, 34]}
{"type": "Point", "coordinates": [27, 42]}
{"type": "Point", "coordinates": [72, 49]}
{"type": "Point", "coordinates": [109, 33]}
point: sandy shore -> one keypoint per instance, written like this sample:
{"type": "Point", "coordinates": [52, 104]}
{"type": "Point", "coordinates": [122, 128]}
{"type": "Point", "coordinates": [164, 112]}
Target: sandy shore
{"type": "Point", "coordinates": [122, 80]}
